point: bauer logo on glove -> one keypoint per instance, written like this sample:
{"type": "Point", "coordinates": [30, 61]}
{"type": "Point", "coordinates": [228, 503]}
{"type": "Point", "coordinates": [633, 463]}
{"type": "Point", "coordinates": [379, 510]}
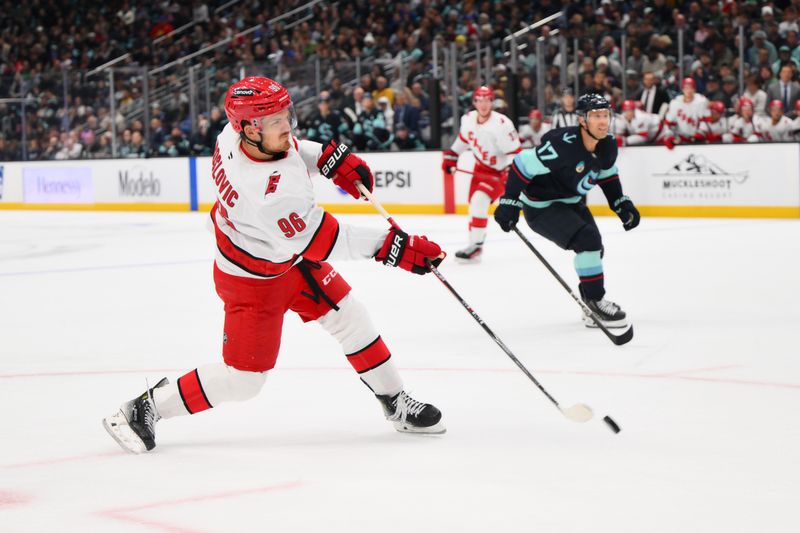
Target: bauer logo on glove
{"type": "Point", "coordinates": [345, 168]}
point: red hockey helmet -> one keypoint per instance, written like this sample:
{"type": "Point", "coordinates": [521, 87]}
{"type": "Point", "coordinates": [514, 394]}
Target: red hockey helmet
{"type": "Point", "coordinates": [745, 102]}
{"type": "Point", "coordinates": [717, 106]}
{"type": "Point", "coordinates": [482, 92]}
{"type": "Point", "coordinates": [690, 82]}
{"type": "Point", "coordinates": [628, 105]}
{"type": "Point", "coordinates": [776, 103]}
{"type": "Point", "coordinates": [252, 99]}
{"type": "Point", "coordinates": [535, 113]}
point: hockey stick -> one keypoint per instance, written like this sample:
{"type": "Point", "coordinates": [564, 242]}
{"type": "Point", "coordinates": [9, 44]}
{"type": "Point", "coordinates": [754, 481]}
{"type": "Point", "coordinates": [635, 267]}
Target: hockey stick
{"type": "Point", "coordinates": [577, 413]}
{"type": "Point", "coordinates": [619, 340]}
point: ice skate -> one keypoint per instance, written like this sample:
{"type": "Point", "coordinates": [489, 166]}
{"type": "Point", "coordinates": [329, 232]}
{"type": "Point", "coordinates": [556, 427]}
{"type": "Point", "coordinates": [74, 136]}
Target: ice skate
{"type": "Point", "coordinates": [134, 425]}
{"type": "Point", "coordinates": [470, 254]}
{"type": "Point", "coordinates": [609, 313]}
{"type": "Point", "coordinates": [410, 416]}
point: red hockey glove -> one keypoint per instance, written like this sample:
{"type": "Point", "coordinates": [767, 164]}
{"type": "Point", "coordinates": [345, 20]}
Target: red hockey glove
{"type": "Point", "coordinates": [449, 161]}
{"type": "Point", "coordinates": [345, 168]}
{"type": "Point", "coordinates": [409, 252]}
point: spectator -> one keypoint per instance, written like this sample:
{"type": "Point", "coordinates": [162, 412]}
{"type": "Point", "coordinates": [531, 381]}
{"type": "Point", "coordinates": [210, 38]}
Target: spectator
{"type": "Point", "coordinates": [407, 114]}
{"type": "Point", "coordinates": [654, 99]}
{"type": "Point", "coordinates": [326, 125]}
{"type": "Point", "coordinates": [370, 132]}
{"type": "Point", "coordinates": [784, 89]}
{"type": "Point", "coordinates": [712, 89]}
{"type": "Point", "coordinates": [405, 140]}
{"type": "Point", "coordinates": [137, 146]}
{"type": "Point", "coordinates": [385, 107]}
{"type": "Point", "coordinates": [789, 22]}
{"type": "Point", "coordinates": [784, 58]}
{"type": "Point", "coordinates": [633, 85]}
{"type": "Point", "coordinates": [728, 94]}
{"type": "Point", "coordinates": [382, 89]}
{"type": "Point", "coordinates": [760, 42]}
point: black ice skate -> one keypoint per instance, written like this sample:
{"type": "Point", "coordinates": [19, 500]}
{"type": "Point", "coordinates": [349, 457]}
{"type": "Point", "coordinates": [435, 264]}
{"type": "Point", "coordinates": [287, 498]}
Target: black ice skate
{"type": "Point", "coordinates": [470, 254]}
{"type": "Point", "coordinates": [134, 425]}
{"type": "Point", "coordinates": [410, 416]}
{"type": "Point", "coordinates": [609, 313]}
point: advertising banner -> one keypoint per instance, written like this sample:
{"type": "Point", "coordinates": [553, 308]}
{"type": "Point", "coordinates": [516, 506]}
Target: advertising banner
{"type": "Point", "coordinates": [408, 181]}
{"type": "Point", "coordinates": [53, 184]}
{"type": "Point", "coordinates": [709, 179]}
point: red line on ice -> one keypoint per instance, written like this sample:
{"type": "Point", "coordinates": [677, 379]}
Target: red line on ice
{"type": "Point", "coordinates": [122, 514]}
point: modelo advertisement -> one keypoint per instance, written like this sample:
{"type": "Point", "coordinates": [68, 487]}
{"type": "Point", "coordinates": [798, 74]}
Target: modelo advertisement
{"type": "Point", "coordinates": [718, 175]}
{"type": "Point", "coordinates": [400, 178]}
{"type": "Point", "coordinates": [161, 180]}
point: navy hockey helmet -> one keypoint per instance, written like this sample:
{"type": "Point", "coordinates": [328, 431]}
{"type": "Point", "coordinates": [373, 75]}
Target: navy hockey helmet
{"type": "Point", "coordinates": [591, 102]}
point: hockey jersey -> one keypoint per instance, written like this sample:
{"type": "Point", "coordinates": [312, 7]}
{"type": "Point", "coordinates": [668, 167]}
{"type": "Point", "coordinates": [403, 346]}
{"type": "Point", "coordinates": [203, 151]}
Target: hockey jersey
{"type": "Point", "coordinates": [782, 131]}
{"type": "Point", "coordinates": [531, 138]}
{"type": "Point", "coordinates": [563, 170]}
{"type": "Point", "coordinates": [684, 118]}
{"type": "Point", "coordinates": [745, 130]}
{"type": "Point", "coordinates": [493, 143]}
{"type": "Point", "coordinates": [266, 219]}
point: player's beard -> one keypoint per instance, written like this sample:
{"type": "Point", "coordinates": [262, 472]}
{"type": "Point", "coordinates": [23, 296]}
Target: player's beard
{"type": "Point", "coordinates": [277, 146]}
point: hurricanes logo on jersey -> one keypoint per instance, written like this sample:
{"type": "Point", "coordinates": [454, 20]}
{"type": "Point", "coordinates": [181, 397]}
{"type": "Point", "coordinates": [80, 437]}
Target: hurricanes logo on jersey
{"type": "Point", "coordinates": [272, 183]}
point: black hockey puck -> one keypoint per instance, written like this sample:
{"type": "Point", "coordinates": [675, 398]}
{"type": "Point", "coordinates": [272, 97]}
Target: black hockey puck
{"type": "Point", "coordinates": [613, 425]}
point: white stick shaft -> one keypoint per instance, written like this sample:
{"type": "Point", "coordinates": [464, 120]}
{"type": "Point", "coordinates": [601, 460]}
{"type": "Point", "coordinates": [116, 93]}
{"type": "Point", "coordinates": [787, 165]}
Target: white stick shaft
{"type": "Point", "coordinates": [374, 201]}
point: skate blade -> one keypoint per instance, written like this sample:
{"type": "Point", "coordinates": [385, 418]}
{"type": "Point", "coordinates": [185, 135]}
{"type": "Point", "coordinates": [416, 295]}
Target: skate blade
{"type": "Point", "coordinates": [467, 260]}
{"type": "Point", "coordinates": [613, 324]}
{"type": "Point", "coordinates": [436, 429]}
{"type": "Point", "coordinates": [117, 426]}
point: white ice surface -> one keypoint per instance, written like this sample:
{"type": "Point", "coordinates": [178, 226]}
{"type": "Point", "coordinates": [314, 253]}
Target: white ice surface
{"type": "Point", "coordinates": [707, 394]}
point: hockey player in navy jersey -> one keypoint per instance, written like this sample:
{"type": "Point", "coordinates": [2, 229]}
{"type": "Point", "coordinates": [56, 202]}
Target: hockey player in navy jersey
{"type": "Point", "coordinates": [550, 183]}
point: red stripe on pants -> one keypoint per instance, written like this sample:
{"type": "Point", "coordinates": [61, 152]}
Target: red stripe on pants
{"type": "Point", "coordinates": [194, 398]}
{"type": "Point", "coordinates": [367, 358]}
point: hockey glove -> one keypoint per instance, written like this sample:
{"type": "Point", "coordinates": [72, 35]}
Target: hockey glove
{"type": "Point", "coordinates": [450, 158]}
{"type": "Point", "coordinates": [345, 168]}
{"type": "Point", "coordinates": [507, 213]}
{"type": "Point", "coordinates": [409, 252]}
{"type": "Point", "coordinates": [627, 213]}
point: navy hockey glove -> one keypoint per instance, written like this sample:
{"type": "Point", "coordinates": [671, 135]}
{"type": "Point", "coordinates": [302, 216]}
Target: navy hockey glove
{"type": "Point", "coordinates": [627, 213]}
{"type": "Point", "coordinates": [507, 213]}
{"type": "Point", "coordinates": [345, 168]}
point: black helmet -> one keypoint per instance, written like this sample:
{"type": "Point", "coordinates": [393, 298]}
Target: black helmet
{"type": "Point", "coordinates": [591, 102]}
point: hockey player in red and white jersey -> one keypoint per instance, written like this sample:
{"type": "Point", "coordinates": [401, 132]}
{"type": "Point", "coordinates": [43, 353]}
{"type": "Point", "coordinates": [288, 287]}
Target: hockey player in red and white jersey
{"type": "Point", "coordinates": [775, 127]}
{"type": "Point", "coordinates": [717, 128]}
{"type": "Point", "coordinates": [493, 141]}
{"type": "Point", "coordinates": [743, 127]}
{"type": "Point", "coordinates": [273, 243]}
{"type": "Point", "coordinates": [685, 114]}
{"type": "Point", "coordinates": [530, 134]}
{"type": "Point", "coordinates": [635, 126]}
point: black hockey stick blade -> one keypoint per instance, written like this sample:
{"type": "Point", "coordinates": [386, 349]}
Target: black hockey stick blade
{"type": "Point", "coordinates": [624, 338]}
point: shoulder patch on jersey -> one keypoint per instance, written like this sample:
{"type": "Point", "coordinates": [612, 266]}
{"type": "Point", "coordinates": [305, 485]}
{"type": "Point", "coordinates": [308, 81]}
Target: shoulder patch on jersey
{"type": "Point", "coordinates": [272, 183]}
{"type": "Point", "coordinates": [568, 138]}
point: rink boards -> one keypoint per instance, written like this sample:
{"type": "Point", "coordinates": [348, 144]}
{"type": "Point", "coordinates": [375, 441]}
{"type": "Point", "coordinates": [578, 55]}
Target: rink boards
{"type": "Point", "coordinates": [743, 180]}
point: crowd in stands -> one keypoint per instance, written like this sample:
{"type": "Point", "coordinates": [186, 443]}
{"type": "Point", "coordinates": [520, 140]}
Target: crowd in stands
{"type": "Point", "coordinates": [47, 47]}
